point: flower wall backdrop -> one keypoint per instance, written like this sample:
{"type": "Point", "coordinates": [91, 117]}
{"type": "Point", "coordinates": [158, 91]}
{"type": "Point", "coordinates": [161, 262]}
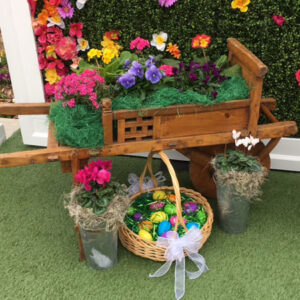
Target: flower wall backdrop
{"type": "Point", "coordinates": [275, 42]}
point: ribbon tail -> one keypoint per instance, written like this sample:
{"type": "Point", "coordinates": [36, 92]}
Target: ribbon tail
{"type": "Point", "coordinates": [199, 261]}
{"type": "Point", "coordinates": [179, 279]}
{"type": "Point", "coordinates": [162, 270]}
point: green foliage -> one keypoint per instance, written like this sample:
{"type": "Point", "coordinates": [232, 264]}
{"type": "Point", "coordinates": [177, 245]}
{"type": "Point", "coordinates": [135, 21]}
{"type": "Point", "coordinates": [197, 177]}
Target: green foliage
{"type": "Point", "coordinates": [99, 197]}
{"type": "Point", "coordinates": [237, 161]}
{"type": "Point", "coordinates": [277, 47]}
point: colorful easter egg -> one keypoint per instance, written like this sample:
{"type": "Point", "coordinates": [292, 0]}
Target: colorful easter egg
{"type": "Point", "coordinates": [201, 215]}
{"type": "Point", "coordinates": [171, 197]}
{"type": "Point", "coordinates": [146, 225]}
{"type": "Point", "coordinates": [163, 227]}
{"type": "Point", "coordinates": [158, 217]}
{"type": "Point", "coordinates": [138, 217]}
{"type": "Point", "coordinates": [170, 209]}
{"type": "Point", "coordinates": [131, 211]}
{"type": "Point", "coordinates": [144, 234]}
{"type": "Point", "coordinates": [191, 224]}
{"type": "Point", "coordinates": [173, 220]}
{"type": "Point", "coordinates": [190, 207]}
{"type": "Point", "coordinates": [156, 206]}
{"type": "Point", "coordinates": [159, 195]}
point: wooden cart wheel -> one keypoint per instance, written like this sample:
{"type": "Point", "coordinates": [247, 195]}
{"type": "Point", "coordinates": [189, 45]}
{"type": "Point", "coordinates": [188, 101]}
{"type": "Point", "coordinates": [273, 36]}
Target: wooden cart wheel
{"type": "Point", "coordinates": [201, 172]}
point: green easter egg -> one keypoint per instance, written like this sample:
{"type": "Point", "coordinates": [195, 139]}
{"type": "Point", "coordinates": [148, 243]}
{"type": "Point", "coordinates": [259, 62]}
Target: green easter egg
{"type": "Point", "coordinates": [201, 215]}
{"type": "Point", "coordinates": [131, 211]}
{"type": "Point", "coordinates": [170, 209]}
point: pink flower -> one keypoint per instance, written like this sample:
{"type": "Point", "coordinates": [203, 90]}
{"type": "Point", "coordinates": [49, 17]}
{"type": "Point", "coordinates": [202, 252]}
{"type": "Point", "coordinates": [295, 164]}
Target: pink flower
{"type": "Point", "coordinates": [76, 29]}
{"type": "Point", "coordinates": [54, 34]}
{"type": "Point", "coordinates": [66, 10]}
{"type": "Point", "coordinates": [167, 69]}
{"type": "Point", "coordinates": [298, 76]}
{"type": "Point", "coordinates": [103, 177]}
{"type": "Point", "coordinates": [71, 103]}
{"type": "Point", "coordinates": [279, 20]}
{"type": "Point", "coordinates": [49, 89]}
{"type": "Point", "coordinates": [166, 3]}
{"type": "Point", "coordinates": [139, 44]}
{"type": "Point", "coordinates": [42, 61]}
{"type": "Point", "coordinates": [66, 48]}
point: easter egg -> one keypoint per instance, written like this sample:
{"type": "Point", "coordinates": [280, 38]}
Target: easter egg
{"type": "Point", "coordinates": [173, 220]}
{"type": "Point", "coordinates": [144, 234]}
{"type": "Point", "coordinates": [156, 206]}
{"type": "Point", "coordinates": [158, 217]}
{"type": "Point", "coordinates": [170, 209]}
{"type": "Point", "coordinates": [138, 217]}
{"type": "Point", "coordinates": [190, 207]}
{"type": "Point", "coordinates": [171, 197]}
{"type": "Point", "coordinates": [163, 227]}
{"type": "Point", "coordinates": [191, 224]}
{"type": "Point", "coordinates": [146, 225]}
{"type": "Point", "coordinates": [159, 195]}
{"type": "Point", "coordinates": [201, 215]}
{"type": "Point", "coordinates": [131, 211]}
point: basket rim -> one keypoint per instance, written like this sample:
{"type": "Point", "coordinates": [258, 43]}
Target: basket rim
{"type": "Point", "coordinates": [210, 216]}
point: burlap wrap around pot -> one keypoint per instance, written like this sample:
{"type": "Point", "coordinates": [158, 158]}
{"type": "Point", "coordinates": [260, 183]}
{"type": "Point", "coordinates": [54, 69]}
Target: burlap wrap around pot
{"type": "Point", "coordinates": [148, 249]}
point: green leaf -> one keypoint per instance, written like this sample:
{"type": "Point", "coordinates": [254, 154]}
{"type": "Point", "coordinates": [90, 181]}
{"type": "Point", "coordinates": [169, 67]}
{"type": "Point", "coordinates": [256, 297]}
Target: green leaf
{"type": "Point", "coordinates": [233, 71]}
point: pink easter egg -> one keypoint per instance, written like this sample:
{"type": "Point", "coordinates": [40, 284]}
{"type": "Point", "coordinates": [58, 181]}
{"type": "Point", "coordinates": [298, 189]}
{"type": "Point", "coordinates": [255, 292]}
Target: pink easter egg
{"type": "Point", "coordinates": [173, 220]}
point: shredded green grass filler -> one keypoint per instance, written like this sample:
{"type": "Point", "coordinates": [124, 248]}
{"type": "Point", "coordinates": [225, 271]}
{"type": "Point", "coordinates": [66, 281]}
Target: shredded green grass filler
{"type": "Point", "coordinates": [233, 89]}
{"type": "Point", "coordinates": [80, 126]}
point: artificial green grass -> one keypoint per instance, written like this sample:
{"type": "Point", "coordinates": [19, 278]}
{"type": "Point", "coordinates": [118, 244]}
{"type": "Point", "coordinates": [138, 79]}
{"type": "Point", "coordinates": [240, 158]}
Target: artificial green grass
{"type": "Point", "coordinates": [39, 252]}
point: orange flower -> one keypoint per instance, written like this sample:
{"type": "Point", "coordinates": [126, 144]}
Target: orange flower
{"type": "Point", "coordinates": [43, 17]}
{"type": "Point", "coordinates": [112, 35]}
{"type": "Point", "coordinates": [173, 49]}
{"type": "Point", "coordinates": [201, 41]}
{"type": "Point", "coordinates": [52, 10]}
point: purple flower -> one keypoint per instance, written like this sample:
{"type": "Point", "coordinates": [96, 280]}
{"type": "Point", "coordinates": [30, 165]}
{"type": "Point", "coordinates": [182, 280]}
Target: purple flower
{"type": "Point", "coordinates": [216, 72]}
{"type": "Point", "coordinates": [136, 70]}
{"type": "Point", "coordinates": [214, 94]}
{"type": "Point", "coordinates": [127, 64]}
{"type": "Point", "coordinates": [193, 76]}
{"type": "Point", "coordinates": [205, 81]}
{"type": "Point", "coordinates": [66, 10]}
{"type": "Point", "coordinates": [194, 66]}
{"type": "Point", "coordinates": [175, 71]}
{"type": "Point", "coordinates": [138, 217]}
{"type": "Point", "coordinates": [127, 80]}
{"type": "Point", "coordinates": [153, 75]}
{"type": "Point", "coordinates": [211, 65]}
{"type": "Point", "coordinates": [151, 61]}
{"type": "Point", "coordinates": [190, 207]}
{"type": "Point", "coordinates": [166, 3]}
{"type": "Point", "coordinates": [181, 67]}
{"type": "Point", "coordinates": [4, 77]}
{"type": "Point", "coordinates": [206, 68]}
{"type": "Point", "coordinates": [222, 78]}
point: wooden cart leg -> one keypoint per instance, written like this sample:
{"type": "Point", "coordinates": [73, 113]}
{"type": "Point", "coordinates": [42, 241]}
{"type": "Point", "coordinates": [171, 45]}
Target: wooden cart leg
{"type": "Point", "coordinates": [81, 249]}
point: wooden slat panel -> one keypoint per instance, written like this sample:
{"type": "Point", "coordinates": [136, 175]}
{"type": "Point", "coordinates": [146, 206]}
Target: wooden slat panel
{"type": "Point", "coordinates": [25, 109]}
{"type": "Point", "coordinates": [107, 121]}
{"type": "Point", "coordinates": [204, 123]}
{"type": "Point", "coordinates": [156, 127]}
{"type": "Point", "coordinates": [121, 131]}
{"type": "Point", "coordinates": [135, 124]}
{"type": "Point", "coordinates": [129, 135]}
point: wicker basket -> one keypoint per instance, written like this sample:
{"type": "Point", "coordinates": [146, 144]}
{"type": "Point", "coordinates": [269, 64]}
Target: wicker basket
{"type": "Point", "coordinates": [148, 249]}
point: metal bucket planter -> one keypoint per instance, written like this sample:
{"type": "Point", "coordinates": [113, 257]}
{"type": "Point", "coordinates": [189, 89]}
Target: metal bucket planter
{"type": "Point", "coordinates": [233, 210]}
{"type": "Point", "coordinates": [100, 247]}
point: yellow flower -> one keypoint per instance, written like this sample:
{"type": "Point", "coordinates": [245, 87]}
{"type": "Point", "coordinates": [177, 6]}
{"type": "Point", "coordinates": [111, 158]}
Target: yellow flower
{"type": "Point", "coordinates": [94, 53]}
{"type": "Point", "coordinates": [51, 76]}
{"type": "Point", "coordinates": [112, 46]}
{"type": "Point", "coordinates": [2, 53]}
{"type": "Point", "coordinates": [50, 51]}
{"type": "Point", "coordinates": [107, 56]}
{"type": "Point", "coordinates": [242, 5]}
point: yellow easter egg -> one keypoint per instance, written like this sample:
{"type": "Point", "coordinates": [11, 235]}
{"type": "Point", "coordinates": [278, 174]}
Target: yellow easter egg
{"type": "Point", "coordinates": [159, 195]}
{"type": "Point", "coordinates": [158, 217]}
{"type": "Point", "coordinates": [145, 235]}
{"type": "Point", "coordinates": [146, 225]}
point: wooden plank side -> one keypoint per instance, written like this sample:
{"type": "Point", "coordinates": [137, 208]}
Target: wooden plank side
{"type": "Point", "coordinates": [25, 109]}
{"type": "Point", "coordinates": [204, 123]}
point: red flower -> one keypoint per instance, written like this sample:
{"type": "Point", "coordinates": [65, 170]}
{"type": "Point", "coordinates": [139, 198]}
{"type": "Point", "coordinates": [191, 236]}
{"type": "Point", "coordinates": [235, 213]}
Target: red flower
{"type": "Point", "coordinates": [201, 41]}
{"type": "Point", "coordinates": [112, 35]}
{"type": "Point", "coordinates": [55, 2]}
{"type": "Point", "coordinates": [279, 20]}
{"type": "Point", "coordinates": [54, 34]}
{"type": "Point", "coordinates": [42, 61]}
{"type": "Point", "coordinates": [76, 29]}
{"type": "Point", "coordinates": [298, 76]}
{"type": "Point", "coordinates": [66, 48]}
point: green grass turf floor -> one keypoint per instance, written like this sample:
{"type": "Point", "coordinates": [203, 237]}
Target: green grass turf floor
{"type": "Point", "coordinates": [39, 253]}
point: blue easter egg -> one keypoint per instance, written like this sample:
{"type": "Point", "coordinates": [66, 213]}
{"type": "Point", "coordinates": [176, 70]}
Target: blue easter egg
{"type": "Point", "coordinates": [163, 227]}
{"type": "Point", "coordinates": [191, 224]}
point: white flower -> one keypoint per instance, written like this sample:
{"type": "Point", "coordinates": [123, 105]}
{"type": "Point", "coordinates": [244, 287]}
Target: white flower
{"type": "Point", "coordinates": [249, 147]}
{"type": "Point", "coordinates": [238, 142]}
{"type": "Point", "coordinates": [235, 134]}
{"type": "Point", "coordinates": [246, 141]}
{"type": "Point", "coordinates": [159, 41]}
{"type": "Point", "coordinates": [82, 44]}
{"type": "Point", "coordinates": [80, 3]}
{"type": "Point", "coordinates": [253, 140]}
{"type": "Point", "coordinates": [59, 22]}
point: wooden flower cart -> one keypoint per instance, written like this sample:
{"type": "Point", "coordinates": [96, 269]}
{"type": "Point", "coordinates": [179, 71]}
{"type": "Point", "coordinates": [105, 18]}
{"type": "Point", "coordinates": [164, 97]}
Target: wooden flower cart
{"type": "Point", "coordinates": [196, 131]}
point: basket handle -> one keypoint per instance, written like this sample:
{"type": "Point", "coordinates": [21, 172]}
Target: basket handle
{"type": "Point", "coordinates": [175, 183]}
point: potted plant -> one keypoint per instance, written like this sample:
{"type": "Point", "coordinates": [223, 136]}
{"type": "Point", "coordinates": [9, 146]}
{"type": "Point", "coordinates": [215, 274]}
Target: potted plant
{"type": "Point", "coordinates": [98, 205]}
{"type": "Point", "coordinates": [238, 179]}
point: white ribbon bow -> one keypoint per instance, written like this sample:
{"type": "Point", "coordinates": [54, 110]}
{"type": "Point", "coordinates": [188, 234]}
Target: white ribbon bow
{"type": "Point", "coordinates": [148, 184]}
{"type": "Point", "coordinates": [175, 247]}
